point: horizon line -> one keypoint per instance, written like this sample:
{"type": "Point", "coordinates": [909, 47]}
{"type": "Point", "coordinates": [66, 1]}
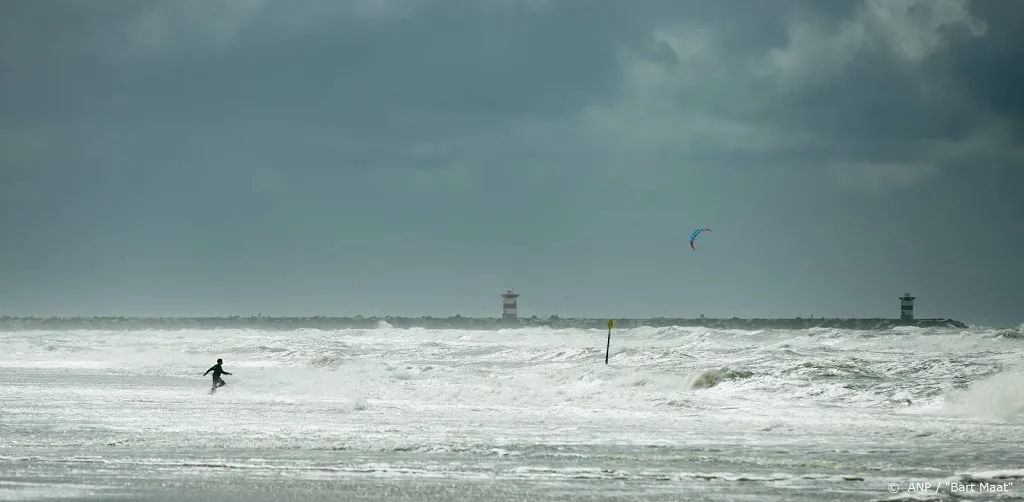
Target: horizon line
{"type": "Point", "coordinates": [427, 316]}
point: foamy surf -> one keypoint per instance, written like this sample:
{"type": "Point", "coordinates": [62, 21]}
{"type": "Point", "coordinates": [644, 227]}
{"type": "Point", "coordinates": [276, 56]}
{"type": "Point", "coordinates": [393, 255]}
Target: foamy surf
{"type": "Point", "coordinates": [678, 413]}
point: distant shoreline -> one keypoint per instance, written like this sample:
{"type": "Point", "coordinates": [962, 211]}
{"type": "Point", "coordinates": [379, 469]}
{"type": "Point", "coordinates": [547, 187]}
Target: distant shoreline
{"type": "Point", "coordinates": [455, 322]}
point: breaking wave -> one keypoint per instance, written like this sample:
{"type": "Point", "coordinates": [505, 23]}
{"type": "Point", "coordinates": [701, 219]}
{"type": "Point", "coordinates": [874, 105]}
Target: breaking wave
{"type": "Point", "coordinates": [923, 370]}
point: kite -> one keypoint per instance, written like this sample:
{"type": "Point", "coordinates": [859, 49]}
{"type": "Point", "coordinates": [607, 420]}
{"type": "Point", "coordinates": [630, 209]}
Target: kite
{"type": "Point", "coordinates": [694, 236]}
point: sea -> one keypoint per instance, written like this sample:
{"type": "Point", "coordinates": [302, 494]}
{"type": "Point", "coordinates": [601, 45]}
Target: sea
{"type": "Point", "coordinates": [385, 414]}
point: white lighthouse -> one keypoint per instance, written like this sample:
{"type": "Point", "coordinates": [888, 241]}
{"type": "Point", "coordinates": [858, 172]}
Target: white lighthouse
{"type": "Point", "coordinates": [509, 304]}
{"type": "Point", "coordinates": [907, 307]}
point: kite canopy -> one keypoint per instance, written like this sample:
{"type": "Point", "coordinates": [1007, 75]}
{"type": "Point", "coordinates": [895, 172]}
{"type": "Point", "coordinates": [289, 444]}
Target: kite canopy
{"type": "Point", "coordinates": [694, 236]}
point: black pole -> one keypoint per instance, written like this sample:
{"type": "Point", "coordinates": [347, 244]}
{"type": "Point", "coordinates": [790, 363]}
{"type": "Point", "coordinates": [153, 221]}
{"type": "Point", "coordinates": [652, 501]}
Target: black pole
{"type": "Point", "coordinates": [608, 347]}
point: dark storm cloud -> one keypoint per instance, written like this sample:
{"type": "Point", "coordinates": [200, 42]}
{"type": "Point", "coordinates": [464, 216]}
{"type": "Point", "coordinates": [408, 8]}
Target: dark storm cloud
{"type": "Point", "coordinates": [872, 87]}
{"type": "Point", "coordinates": [832, 77]}
{"type": "Point", "coordinates": [214, 129]}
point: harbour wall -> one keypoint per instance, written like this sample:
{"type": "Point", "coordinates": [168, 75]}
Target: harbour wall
{"type": "Point", "coordinates": [454, 322]}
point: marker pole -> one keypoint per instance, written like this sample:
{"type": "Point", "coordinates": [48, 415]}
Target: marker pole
{"type": "Point", "coordinates": [608, 347]}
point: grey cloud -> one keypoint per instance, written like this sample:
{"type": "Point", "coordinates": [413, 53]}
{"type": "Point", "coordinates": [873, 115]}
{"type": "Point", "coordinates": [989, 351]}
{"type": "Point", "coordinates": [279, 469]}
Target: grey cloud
{"type": "Point", "coordinates": [358, 85]}
{"type": "Point", "coordinates": [860, 89]}
{"type": "Point", "coordinates": [230, 128]}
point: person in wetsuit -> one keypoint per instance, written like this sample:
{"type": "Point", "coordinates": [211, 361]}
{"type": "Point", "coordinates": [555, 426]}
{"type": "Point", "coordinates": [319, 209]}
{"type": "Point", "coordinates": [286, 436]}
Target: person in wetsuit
{"type": "Point", "coordinates": [217, 372]}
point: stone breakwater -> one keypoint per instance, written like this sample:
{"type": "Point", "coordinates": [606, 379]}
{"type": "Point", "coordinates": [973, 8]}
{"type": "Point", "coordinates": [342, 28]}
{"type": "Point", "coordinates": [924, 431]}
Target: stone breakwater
{"type": "Point", "coordinates": [455, 322]}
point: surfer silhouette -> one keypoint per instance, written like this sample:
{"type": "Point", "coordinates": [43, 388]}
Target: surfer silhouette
{"type": "Point", "coordinates": [217, 372]}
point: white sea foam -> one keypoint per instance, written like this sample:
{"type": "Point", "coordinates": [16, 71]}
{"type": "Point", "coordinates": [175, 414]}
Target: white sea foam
{"type": "Point", "coordinates": [781, 409]}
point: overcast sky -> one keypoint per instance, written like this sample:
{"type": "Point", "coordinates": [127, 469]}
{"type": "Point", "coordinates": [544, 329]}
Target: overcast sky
{"type": "Point", "coordinates": [200, 157]}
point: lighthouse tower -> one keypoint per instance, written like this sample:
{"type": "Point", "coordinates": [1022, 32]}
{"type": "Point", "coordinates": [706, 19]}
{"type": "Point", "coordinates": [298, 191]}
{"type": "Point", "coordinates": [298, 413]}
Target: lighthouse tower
{"type": "Point", "coordinates": [509, 304]}
{"type": "Point", "coordinates": [907, 307]}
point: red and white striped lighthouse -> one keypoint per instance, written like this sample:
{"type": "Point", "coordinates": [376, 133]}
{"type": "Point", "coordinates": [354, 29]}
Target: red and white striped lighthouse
{"type": "Point", "coordinates": [509, 304]}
